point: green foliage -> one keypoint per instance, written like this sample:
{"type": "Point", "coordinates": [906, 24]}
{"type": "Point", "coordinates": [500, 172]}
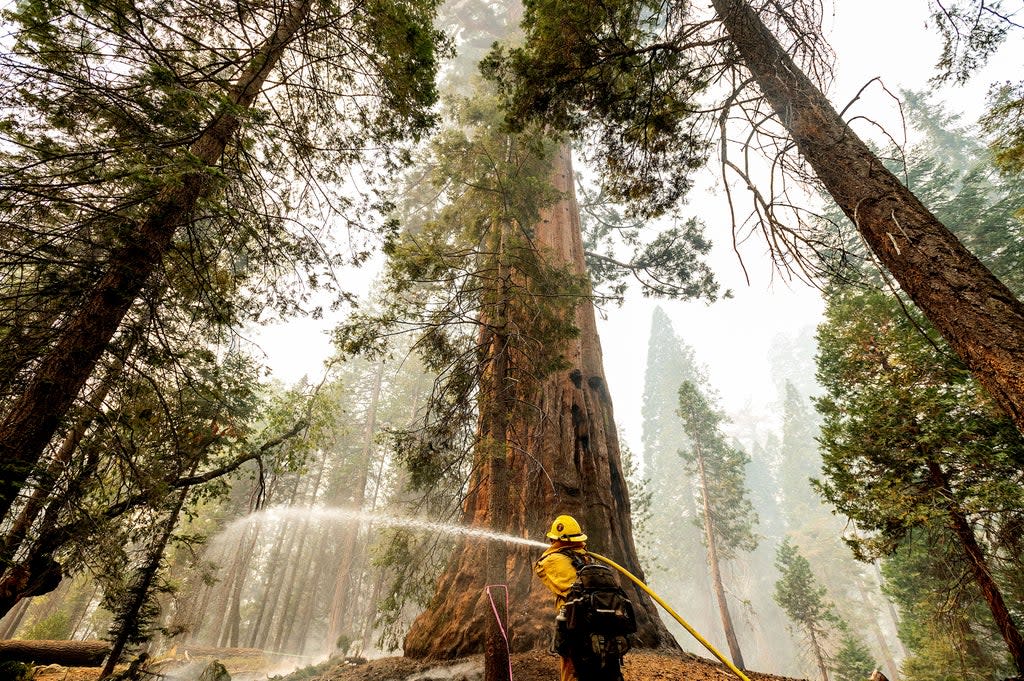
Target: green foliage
{"type": "Point", "coordinates": [469, 218]}
{"type": "Point", "coordinates": [722, 469]}
{"type": "Point", "coordinates": [798, 594]}
{"type": "Point", "coordinates": [641, 498]}
{"type": "Point", "coordinates": [896, 408]}
{"type": "Point", "coordinates": [56, 627]}
{"type": "Point", "coordinates": [948, 632]}
{"type": "Point", "coordinates": [103, 105]}
{"type": "Point", "coordinates": [415, 563]}
{"type": "Point", "coordinates": [619, 71]}
{"type": "Point", "coordinates": [466, 272]}
{"type": "Point", "coordinates": [666, 262]}
{"type": "Point", "coordinates": [800, 458]}
{"type": "Point", "coordinates": [797, 590]}
{"type": "Point", "coordinates": [972, 30]}
{"type": "Point", "coordinates": [853, 661]}
{"type": "Point", "coordinates": [910, 442]}
{"type": "Point", "coordinates": [672, 555]}
{"type": "Point", "coordinates": [1004, 123]}
{"type": "Point", "coordinates": [953, 174]}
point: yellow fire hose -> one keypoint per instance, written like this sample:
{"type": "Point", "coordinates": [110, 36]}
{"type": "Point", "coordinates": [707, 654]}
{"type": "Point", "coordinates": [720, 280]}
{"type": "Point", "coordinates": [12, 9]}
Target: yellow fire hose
{"type": "Point", "coordinates": [672, 612]}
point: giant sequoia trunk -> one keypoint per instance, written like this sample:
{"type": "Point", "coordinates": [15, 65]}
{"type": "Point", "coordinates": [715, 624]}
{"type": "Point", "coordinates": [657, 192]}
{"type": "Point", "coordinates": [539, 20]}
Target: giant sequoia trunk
{"type": "Point", "coordinates": [32, 420]}
{"type": "Point", "coordinates": [971, 308]}
{"type": "Point", "coordinates": [568, 463]}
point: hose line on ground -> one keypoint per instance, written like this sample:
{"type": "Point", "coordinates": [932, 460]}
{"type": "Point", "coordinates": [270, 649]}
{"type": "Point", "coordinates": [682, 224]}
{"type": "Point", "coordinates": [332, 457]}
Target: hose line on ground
{"type": "Point", "coordinates": [672, 612]}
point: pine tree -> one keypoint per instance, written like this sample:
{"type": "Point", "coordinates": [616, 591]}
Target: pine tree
{"type": "Point", "coordinates": [728, 517]}
{"type": "Point", "coordinates": [147, 141]}
{"type": "Point", "coordinates": [948, 632]}
{"type": "Point", "coordinates": [677, 568]}
{"type": "Point", "coordinates": [649, 128]}
{"type": "Point", "coordinates": [800, 459]}
{"type": "Point", "coordinates": [798, 594]}
{"type": "Point", "coordinates": [910, 442]}
{"type": "Point", "coordinates": [853, 660]}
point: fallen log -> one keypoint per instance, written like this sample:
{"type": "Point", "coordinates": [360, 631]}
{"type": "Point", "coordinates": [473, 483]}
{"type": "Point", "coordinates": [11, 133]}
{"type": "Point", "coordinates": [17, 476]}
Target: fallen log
{"type": "Point", "coordinates": [64, 653]}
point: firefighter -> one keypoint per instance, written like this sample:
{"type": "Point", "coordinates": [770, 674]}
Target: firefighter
{"type": "Point", "coordinates": [557, 568]}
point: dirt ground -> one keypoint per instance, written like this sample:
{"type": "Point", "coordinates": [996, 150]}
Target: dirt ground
{"type": "Point", "coordinates": [639, 665]}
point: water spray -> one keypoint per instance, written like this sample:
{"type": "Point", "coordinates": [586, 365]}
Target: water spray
{"type": "Point", "coordinates": [349, 515]}
{"type": "Point", "coordinates": [724, 660]}
{"type": "Point", "coordinates": [346, 515]}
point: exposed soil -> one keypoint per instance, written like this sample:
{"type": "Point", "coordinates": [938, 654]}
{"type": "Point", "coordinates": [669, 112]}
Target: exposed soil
{"type": "Point", "coordinates": [639, 665]}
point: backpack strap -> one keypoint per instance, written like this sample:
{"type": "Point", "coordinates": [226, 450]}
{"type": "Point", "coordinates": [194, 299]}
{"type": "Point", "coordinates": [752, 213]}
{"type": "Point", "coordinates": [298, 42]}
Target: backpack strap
{"type": "Point", "coordinates": [578, 559]}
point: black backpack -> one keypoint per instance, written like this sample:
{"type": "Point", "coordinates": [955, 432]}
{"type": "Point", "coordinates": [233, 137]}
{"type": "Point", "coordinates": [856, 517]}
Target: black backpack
{"type": "Point", "coordinates": [593, 627]}
{"type": "Point", "coordinates": [596, 604]}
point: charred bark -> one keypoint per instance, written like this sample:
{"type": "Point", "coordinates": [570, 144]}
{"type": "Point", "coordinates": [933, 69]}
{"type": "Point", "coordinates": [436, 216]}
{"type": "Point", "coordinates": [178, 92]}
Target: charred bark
{"type": "Point", "coordinates": [568, 462]}
{"type": "Point", "coordinates": [978, 315]}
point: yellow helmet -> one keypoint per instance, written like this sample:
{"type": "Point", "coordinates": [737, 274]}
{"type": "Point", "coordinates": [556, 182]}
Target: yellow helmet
{"type": "Point", "coordinates": [565, 528]}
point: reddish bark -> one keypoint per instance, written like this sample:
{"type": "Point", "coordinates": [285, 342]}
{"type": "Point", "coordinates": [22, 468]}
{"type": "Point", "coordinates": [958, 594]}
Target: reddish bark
{"type": "Point", "coordinates": [568, 462]}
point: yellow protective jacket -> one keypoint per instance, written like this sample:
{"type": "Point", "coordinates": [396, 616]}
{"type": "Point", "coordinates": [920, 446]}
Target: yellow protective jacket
{"type": "Point", "coordinates": [555, 569]}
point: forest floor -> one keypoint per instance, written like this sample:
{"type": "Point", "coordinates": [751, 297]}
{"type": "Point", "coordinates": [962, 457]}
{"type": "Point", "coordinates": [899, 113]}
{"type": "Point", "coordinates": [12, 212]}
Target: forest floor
{"type": "Point", "coordinates": [638, 665]}
{"type": "Point", "coordinates": [537, 665]}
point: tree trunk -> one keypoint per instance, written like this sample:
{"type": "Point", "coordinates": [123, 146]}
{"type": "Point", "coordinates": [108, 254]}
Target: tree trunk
{"type": "Point", "coordinates": [714, 565]}
{"type": "Point", "coordinates": [37, 500]}
{"type": "Point", "coordinates": [268, 596]}
{"type": "Point", "coordinates": [64, 653]}
{"type": "Point", "coordinates": [139, 593]}
{"type": "Point", "coordinates": [33, 418]}
{"type": "Point", "coordinates": [84, 611]}
{"type": "Point", "coordinates": [819, 655]}
{"type": "Point", "coordinates": [497, 400]}
{"type": "Point", "coordinates": [286, 613]}
{"type": "Point", "coordinates": [978, 315]}
{"type": "Point", "coordinates": [891, 609]}
{"type": "Point", "coordinates": [876, 629]}
{"type": "Point", "coordinates": [276, 561]}
{"type": "Point", "coordinates": [311, 597]}
{"type": "Point", "coordinates": [568, 463]}
{"type": "Point", "coordinates": [370, 620]}
{"type": "Point", "coordinates": [12, 620]}
{"type": "Point", "coordinates": [979, 569]}
{"type": "Point", "coordinates": [239, 571]}
{"type": "Point", "coordinates": [342, 583]}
